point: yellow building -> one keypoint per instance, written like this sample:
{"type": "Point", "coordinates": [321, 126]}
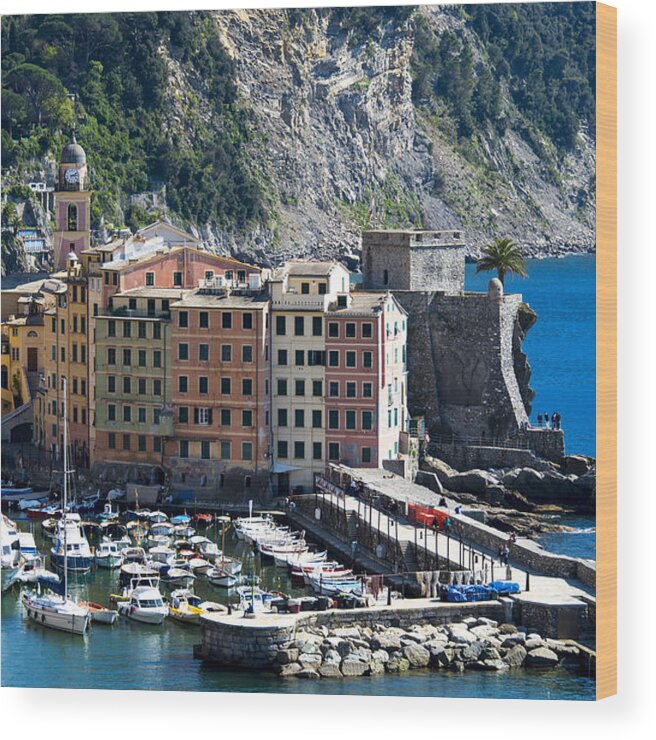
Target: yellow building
{"type": "Point", "coordinates": [22, 366]}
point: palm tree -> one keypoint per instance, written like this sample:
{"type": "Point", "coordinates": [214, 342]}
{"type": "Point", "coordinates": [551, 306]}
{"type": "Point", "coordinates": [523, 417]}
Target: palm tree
{"type": "Point", "coordinates": [504, 256]}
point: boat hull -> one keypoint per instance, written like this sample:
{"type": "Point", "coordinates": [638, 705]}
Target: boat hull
{"type": "Point", "coordinates": [145, 616]}
{"type": "Point", "coordinates": [10, 576]}
{"type": "Point", "coordinates": [73, 623]}
{"type": "Point", "coordinates": [109, 561]}
{"type": "Point", "coordinates": [76, 563]}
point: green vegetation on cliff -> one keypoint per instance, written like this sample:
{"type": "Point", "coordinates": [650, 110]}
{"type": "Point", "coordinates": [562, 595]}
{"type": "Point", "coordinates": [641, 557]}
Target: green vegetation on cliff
{"type": "Point", "coordinates": [117, 66]}
{"type": "Point", "coordinates": [544, 54]}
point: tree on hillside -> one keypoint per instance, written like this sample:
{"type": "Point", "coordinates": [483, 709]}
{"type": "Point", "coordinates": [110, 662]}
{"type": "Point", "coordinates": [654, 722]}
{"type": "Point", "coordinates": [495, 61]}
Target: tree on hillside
{"type": "Point", "coordinates": [44, 93]}
{"type": "Point", "coordinates": [504, 256]}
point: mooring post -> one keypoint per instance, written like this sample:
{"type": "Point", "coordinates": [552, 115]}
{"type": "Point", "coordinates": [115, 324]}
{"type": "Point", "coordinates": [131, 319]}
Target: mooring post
{"type": "Point", "coordinates": [528, 581]}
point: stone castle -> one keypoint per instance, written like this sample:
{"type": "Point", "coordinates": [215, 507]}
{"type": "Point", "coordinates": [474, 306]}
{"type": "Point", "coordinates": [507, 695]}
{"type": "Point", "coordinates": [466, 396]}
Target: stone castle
{"type": "Point", "coordinates": [467, 374]}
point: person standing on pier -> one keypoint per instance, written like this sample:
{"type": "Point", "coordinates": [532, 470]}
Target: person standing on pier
{"type": "Point", "coordinates": [539, 420]}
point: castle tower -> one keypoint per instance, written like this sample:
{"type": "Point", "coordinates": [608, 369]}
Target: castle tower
{"type": "Point", "coordinates": [72, 205]}
{"type": "Point", "coordinates": [413, 260]}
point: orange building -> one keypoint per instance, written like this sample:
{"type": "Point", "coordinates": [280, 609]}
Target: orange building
{"type": "Point", "coordinates": [220, 389]}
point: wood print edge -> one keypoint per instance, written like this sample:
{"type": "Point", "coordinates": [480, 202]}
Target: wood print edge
{"type": "Point", "coordinates": [606, 353]}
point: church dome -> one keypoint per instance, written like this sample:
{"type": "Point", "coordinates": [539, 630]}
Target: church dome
{"type": "Point", "coordinates": [73, 154]}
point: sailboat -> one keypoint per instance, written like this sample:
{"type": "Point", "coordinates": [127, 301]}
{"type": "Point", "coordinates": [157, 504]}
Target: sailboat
{"type": "Point", "coordinates": [54, 608]}
{"type": "Point", "coordinates": [225, 572]}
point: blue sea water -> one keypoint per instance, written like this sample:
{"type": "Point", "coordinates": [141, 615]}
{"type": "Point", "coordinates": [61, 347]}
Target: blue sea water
{"type": "Point", "coordinates": [561, 345]}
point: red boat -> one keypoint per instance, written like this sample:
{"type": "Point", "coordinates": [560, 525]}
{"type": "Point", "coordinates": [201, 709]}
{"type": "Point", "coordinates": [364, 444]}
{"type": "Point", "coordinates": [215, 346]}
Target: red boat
{"type": "Point", "coordinates": [202, 520]}
{"type": "Point", "coordinates": [44, 512]}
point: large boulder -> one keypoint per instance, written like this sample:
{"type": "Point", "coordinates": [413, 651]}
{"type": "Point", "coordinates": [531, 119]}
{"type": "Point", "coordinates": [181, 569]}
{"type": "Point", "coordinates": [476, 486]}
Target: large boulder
{"type": "Point", "coordinates": [516, 656]}
{"type": "Point", "coordinates": [541, 658]}
{"type": "Point", "coordinates": [397, 664]}
{"type": "Point", "coordinates": [287, 656]}
{"type": "Point", "coordinates": [576, 465]}
{"type": "Point", "coordinates": [289, 669]}
{"type": "Point", "coordinates": [353, 667]}
{"type": "Point", "coordinates": [472, 481]}
{"type": "Point", "coordinates": [386, 641]}
{"type": "Point", "coordinates": [330, 670]}
{"type": "Point", "coordinates": [416, 655]}
{"type": "Point", "coordinates": [442, 470]}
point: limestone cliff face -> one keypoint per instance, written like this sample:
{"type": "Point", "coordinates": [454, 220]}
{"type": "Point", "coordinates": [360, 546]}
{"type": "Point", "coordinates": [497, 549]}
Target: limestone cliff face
{"type": "Point", "coordinates": [343, 146]}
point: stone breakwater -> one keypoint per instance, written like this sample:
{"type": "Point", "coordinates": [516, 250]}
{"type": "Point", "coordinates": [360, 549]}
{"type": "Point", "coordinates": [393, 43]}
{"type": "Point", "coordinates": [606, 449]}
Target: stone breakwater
{"type": "Point", "coordinates": [479, 644]}
{"type": "Point", "coordinates": [307, 649]}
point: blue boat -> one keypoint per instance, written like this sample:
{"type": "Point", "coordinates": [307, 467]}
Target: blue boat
{"type": "Point", "coordinates": [181, 519]}
{"type": "Point", "coordinates": [80, 557]}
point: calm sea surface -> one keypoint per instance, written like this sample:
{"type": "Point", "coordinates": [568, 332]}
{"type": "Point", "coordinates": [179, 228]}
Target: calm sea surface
{"type": "Point", "coordinates": [132, 656]}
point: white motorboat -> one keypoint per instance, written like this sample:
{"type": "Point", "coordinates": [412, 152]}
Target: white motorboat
{"type": "Point", "coordinates": [12, 561]}
{"type": "Point", "coordinates": [163, 529]}
{"type": "Point", "coordinates": [285, 560]}
{"type": "Point", "coordinates": [145, 605]}
{"type": "Point", "coordinates": [55, 609]}
{"type": "Point", "coordinates": [162, 554]}
{"type": "Point", "coordinates": [108, 555]}
{"type": "Point", "coordinates": [254, 600]}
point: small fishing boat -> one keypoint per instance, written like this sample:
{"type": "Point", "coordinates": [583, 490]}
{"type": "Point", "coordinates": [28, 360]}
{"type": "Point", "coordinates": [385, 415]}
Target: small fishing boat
{"type": "Point", "coordinates": [162, 554]}
{"type": "Point", "coordinates": [179, 577]}
{"type": "Point", "coordinates": [254, 600]}
{"type": "Point", "coordinates": [162, 529]}
{"type": "Point", "coordinates": [108, 555]}
{"type": "Point", "coordinates": [33, 503]}
{"type": "Point", "coordinates": [44, 512]}
{"type": "Point", "coordinates": [183, 531]}
{"type": "Point", "coordinates": [145, 605]}
{"type": "Point", "coordinates": [157, 517]}
{"type": "Point", "coordinates": [220, 577]}
{"type": "Point", "coordinates": [137, 570]}
{"type": "Point", "coordinates": [13, 494]}
{"type": "Point", "coordinates": [108, 514]}
{"type": "Point", "coordinates": [199, 565]}
{"type": "Point", "coordinates": [184, 607]}
{"type": "Point", "coordinates": [99, 613]}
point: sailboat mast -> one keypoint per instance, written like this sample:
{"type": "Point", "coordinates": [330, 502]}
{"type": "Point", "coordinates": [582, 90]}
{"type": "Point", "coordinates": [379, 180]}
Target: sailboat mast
{"type": "Point", "coordinates": [65, 488]}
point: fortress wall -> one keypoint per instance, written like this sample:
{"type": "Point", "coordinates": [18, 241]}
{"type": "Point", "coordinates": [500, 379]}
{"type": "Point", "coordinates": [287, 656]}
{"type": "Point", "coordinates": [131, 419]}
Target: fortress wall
{"type": "Point", "coordinates": [437, 269]}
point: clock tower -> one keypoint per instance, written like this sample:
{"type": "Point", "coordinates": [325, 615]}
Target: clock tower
{"type": "Point", "coordinates": [72, 205]}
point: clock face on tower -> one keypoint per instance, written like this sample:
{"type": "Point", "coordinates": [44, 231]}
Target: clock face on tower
{"type": "Point", "coordinates": [71, 176]}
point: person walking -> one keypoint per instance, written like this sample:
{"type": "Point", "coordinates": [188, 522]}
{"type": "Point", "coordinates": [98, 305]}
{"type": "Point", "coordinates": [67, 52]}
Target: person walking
{"type": "Point", "coordinates": [557, 421]}
{"type": "Point", "coordinates": [539, 420]}
{"type": "Point", "coordinates": [546, 420]}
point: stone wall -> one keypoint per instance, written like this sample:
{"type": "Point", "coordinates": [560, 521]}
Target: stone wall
{"type": "Point", "coordinates": [253, 644]}
{"type": "Point", "coordinates": [461, 364]}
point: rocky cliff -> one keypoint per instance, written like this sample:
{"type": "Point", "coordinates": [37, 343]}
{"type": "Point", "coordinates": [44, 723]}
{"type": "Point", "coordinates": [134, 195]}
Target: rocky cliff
{"type": "Point", "coordinates": [345, 146]}
{"type": "Point", "coordinates": [329, 121]}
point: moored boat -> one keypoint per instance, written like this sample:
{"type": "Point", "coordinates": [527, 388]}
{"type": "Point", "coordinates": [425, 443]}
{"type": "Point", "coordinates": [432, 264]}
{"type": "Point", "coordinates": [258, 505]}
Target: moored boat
{"type": "Point", "coordinates": [99, 613]}
{"type": "Point", "coordinates": [145, 605]}
{"type": "Point", "coordinates": [108, 555]}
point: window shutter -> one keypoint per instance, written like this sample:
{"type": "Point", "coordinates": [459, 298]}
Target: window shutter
{"type": "Point", "coordinates": [209, 416]}
{"type": "Point", "coordinates": [195, 415]}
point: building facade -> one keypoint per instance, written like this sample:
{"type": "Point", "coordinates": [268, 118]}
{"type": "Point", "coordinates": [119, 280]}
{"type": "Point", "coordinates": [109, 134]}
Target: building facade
{"type": "Point", "coordinates": [220, 389]}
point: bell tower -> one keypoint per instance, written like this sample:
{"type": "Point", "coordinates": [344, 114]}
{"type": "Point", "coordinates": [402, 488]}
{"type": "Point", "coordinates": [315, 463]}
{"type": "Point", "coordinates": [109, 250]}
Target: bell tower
{"type": "Point", "coordinates": [72, 205]}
